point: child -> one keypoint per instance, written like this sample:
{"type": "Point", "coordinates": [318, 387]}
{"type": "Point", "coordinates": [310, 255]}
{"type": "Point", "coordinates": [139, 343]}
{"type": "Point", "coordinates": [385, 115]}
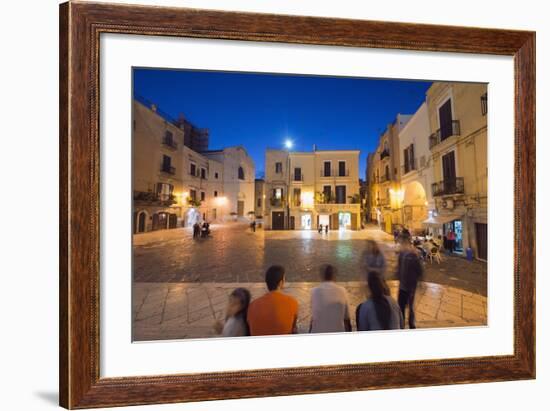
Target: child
{"type": "Point", "coordinates": [235, 324]}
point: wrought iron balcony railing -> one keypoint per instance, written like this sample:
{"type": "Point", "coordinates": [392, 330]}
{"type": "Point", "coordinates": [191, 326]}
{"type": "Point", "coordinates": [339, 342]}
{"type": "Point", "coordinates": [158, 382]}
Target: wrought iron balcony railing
{"type": "Point", "coordinates": [168, 170]}
{"type": "Point", "coordinates": [335, 173]}
{"type": "Point", "coordinates": [277, 202]}
{"type": "Point", "coordinates": [444, 133]}
{"type": "Point", "coordinates": [170, 143]}
{"type": "Point", "coordinates": [384, 154]}
{"type": "Point", "coordinates": [448, 186]}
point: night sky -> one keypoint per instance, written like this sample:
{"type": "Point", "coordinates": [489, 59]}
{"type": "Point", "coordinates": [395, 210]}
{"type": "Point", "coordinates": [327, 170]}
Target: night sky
{"type": "Point", "coordinates": [261, 111]}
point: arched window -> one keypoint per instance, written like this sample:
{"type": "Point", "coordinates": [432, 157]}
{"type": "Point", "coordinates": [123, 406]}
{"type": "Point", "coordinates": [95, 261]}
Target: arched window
{"type": "Point", "coordinates": [241, 173]}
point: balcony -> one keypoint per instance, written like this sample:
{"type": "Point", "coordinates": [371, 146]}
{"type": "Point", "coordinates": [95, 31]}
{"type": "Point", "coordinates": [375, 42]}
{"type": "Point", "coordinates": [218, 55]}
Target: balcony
{"type": "Point", "coordinates": [448, 187]}
{"type": "Point", "coordinates": [148, 197]}
{"type": "Point", "coordinates": [384, 154]}
{"type": "Point", "coordinates": [277, 202]}
{"type": "Point", "coordinates": [444, 133]}
{"type": "Point", "coordinates": [168, 170]}
{"type": "Point", "coordinates": [333, 173]}
{"type": "Point", "coordinates": [298, 177]}
{"type": "Point", "coordinates": [170, 143]}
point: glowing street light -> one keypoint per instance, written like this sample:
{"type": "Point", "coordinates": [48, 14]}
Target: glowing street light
{"type": "Point", "coordinates": [288, 143]}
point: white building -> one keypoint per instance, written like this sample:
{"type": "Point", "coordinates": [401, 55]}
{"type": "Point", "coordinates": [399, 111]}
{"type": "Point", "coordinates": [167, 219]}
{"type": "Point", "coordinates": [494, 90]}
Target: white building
{"type": "Point", "coordinates": [238, 174]}
{"type": "Point", "coordinates": [416, 169]}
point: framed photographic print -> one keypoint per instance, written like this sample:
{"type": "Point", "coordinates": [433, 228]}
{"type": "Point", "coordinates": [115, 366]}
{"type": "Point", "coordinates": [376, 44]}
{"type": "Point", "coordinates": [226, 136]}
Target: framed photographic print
{"type": "Point", "coordinates": [258, 205]}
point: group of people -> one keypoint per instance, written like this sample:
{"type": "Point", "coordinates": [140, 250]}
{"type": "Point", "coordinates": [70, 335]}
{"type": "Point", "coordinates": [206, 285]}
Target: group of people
{"type": "Point", "coordinates": [323, 227]}
{"type": "Point", "coordinates": [201, 230]}
{"type": "Point", "coordinates": [276, 313]}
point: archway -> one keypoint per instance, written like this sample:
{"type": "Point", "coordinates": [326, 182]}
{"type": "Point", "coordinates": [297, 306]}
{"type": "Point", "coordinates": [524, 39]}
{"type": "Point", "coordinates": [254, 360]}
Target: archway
{"type": "Point", "coordinates": [140, 223]}
{"type": "Point", "coordinates": [414, 205]}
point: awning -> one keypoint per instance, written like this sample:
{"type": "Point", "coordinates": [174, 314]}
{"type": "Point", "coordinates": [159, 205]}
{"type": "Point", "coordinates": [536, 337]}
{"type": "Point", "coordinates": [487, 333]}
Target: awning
{"type": "Point", "coordinates": [442, 219]}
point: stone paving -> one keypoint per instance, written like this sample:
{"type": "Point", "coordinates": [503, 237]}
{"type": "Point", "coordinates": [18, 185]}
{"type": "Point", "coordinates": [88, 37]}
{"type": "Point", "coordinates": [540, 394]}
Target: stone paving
{"type": "Point", "coordinates": [234, 254]}
{"type": "Point", "coordinates": [189, 310]}
{"type": "Point", "coordinates": [181, 285]}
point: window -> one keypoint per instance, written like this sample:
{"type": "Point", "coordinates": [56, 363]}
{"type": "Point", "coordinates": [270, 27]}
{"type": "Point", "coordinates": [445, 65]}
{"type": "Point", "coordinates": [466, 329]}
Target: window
{"type": "Point", "coordinates": [203, 173]}
{"type": "Point", "coordinates": [215, 193]}
{"type": "Point", "coordinates": [449, 168]}
{"type": "Point", "coordinates": [203, 195]}
{"type": "Point", "coordinates": [484, 104]}
{"type": "Point", "coordinates": [193, 170]}
{"type": "Point", "coordinates": [297, 174]}
{"type": "Point", "coordinates": [259, 202]}
{"type": "Point", "coordinates": [167, 164]}
{"type": "Point", "coordinates": [327, 193]}
{"type": "Point", "coordinates": [446, 120]}
{"type": "Point", "coordinates": [296, 200]}
{"type": "Point", "coordinates": [278, 193]}
{"type": "Point", "coordinates": [341, 168]}
{"type": "Point", "coordinates": [241, 173]}
{"type": "Point", "coordinates": [341, 194]}
{"type": "Point", "coordinates": [387, 172]}
{"type": "Point", "coordinates": [326, 169]}
{"type": "Point", "coordinates": [408, 155]}
{"type": "Point", "coordinates": [278, 168]}
{"type": "Point", "coordinates": [193, 195]}
{"type": "Point", "coordinates": [164, 191]}
{"type": "Point", "coordinates": [216, 175]}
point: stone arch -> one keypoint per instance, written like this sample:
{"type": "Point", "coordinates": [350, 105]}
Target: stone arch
{"type": "Point", "coordinates": [414, 205]}
{"type": "Point", "coordinates": [140, 221]}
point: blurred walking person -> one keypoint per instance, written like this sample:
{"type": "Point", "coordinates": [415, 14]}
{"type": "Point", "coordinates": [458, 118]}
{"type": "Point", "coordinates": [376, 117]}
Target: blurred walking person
{"type": "Point", "coordinates": [409, 272]}
{"type": "Point", "coordinates": [374, 259]}
{"type": "Point", "coordinates": [380, 311]}
{"type": "Point", "coordinates": [274, 313]}
{"type": "Point", "coordinates": [329, 304]}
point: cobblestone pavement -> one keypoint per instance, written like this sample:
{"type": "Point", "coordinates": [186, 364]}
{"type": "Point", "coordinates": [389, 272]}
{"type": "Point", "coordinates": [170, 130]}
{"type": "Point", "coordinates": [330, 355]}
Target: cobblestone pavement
{"type": "Point", "coordinates": [188, 310]}
{"type": "Point", "coordinates": [234, 254]}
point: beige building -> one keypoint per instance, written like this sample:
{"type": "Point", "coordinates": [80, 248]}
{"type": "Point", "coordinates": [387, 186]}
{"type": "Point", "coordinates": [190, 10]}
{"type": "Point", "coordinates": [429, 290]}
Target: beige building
{"type": "Point", "coordinates": [416, 170]}
{"type": "Point", "coordinates": [384, 180]}
{"type": "Point", "coordinates": [458, 144]}
{"type": "Point", "coordinates": [307, 189]}
{"type": "Point", "coordinates": [176, 186]}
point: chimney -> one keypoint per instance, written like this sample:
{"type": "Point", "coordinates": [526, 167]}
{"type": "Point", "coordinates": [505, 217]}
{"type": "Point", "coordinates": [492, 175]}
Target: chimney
{"type": "Point", "coordinates": [314, 147]}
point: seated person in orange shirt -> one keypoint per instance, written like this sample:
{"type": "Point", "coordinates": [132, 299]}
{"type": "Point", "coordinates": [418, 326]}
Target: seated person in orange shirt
{"type": "Point", "coordinates": [274, 313]}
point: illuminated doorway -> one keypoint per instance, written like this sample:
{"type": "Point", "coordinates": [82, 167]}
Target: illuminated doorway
{"type": "Point", "coordinates": [306, 222]}
{"type": "Point", "coordinates": [344, 220]}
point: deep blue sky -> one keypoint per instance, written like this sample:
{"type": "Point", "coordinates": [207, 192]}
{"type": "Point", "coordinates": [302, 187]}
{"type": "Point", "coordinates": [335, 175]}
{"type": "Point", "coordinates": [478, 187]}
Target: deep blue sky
{"type": "Point", "coordinates": [260, 111]}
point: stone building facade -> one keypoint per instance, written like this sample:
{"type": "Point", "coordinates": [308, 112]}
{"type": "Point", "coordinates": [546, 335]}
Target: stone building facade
{"type": "Point", "coordinates": [385, 168]}
{"type": "Point", "coordinates": [307, 189]}
{"type": "Point", "coordinates": [458, 145]}
{"type": "Point", "coordinates": [174, 185]}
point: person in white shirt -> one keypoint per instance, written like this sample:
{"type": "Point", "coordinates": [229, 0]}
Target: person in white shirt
{"type": "Point", "coordinates": [329, 305]}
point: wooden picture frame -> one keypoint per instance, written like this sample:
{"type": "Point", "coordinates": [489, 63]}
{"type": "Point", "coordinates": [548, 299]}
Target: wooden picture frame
{"type": "Point", "coordinates": [80, 27]}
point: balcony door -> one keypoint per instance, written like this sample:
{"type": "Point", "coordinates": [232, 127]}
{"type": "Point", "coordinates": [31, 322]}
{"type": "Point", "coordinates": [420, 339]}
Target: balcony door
{"type": "Point", "coordinates": [341, 194]}
{"type": "Point", "coordinates": [449, 172]}
{"type": "Point", "coordinates": [446, 120]}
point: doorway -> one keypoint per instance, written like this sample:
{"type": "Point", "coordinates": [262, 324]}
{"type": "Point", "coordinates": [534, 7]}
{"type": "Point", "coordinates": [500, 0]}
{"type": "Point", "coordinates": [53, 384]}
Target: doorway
{"type": "Point", "coordinates": [344, 220]}
{"type": "Point", "coordinates": [141, 222]}
{"type": "Point", "coordinates": [277, 220]}
{"type": "Point", "coordinates": [481, 240]}
{"type": "Point", "coordinates": [306, 222]}
{"type": "Point", "coordinates": [324, 220]}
